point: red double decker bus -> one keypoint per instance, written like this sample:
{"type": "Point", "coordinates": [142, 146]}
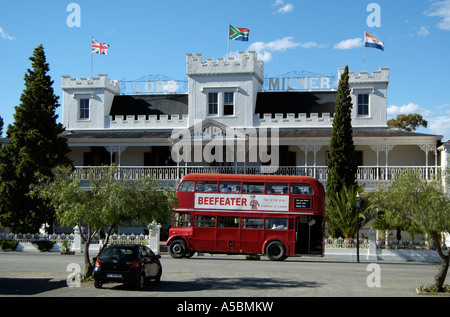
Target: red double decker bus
{"type": "Point", "coordinates": [278, 216]}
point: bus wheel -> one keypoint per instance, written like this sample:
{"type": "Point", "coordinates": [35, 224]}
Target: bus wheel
{"type": "Point", "coordinates": [178, 249]}
{"type": "Point", "coordinates": [276, 251]}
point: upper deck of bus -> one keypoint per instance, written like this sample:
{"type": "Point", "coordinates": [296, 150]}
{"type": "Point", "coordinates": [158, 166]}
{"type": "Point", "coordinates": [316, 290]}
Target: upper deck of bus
{"type": "Point", "coordinates": [315, 184]}
{"type": "Point", "coordinates": [199, 198]}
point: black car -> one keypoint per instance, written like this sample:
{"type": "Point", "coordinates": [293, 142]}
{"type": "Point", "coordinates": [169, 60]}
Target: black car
{"type": "Point", "coordinates": [127, 263]}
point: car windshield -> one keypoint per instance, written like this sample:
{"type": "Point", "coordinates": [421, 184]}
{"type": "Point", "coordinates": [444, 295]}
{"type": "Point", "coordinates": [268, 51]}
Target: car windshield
{"type": "Point", "coordinates": [118, 253]}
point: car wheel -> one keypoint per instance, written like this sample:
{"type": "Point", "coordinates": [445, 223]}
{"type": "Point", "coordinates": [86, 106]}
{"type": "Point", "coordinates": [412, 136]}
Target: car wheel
{"type": "Point", "coordinates": [178, 249]}
{"type": "Point", "coordinates": [98, 284]}
{"type": "Point", "coordinates": [276, 251]}
{"type": "Point", "coordinates": [140, 283]}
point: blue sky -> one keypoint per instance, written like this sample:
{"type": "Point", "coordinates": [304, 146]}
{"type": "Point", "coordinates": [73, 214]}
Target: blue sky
{"type": "Point", "coordinates": [152, 37]}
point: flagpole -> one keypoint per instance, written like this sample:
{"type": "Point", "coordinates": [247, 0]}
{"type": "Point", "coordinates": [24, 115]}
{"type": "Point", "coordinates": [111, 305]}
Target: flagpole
{"type": "Point", "coordinates": [92, 60]}
{"type": "Point", "coordinates": [228, 36]}
{"type": "Point", "coordinates": [364, 50]}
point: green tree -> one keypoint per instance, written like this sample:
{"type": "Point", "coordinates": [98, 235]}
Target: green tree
{"type": "Point", "coordinates": [414, 202]}
{"type": "Point", "coordinates": [105, 204]}
{"type": "Point", "coordinates": [407, 122]}
{"type": "Point", "coordinates": [1, 126]}
{"type": "Point", "coordinates": [341, 158]}
{"type": "Point", "coordinates": [34, 145]}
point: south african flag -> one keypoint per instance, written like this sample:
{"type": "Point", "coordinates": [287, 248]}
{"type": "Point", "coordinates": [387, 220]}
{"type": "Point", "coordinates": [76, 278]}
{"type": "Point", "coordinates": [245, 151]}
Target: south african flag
{"type": "Point", "coordinates": [238, 34]}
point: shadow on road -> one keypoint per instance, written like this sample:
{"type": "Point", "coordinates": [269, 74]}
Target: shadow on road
{"type": "Point", "coordinates": [203, 284]}
{"type": "Point", "coordinates": [28, 286]}
{"type": "Point", "coordinates": [232, 284]}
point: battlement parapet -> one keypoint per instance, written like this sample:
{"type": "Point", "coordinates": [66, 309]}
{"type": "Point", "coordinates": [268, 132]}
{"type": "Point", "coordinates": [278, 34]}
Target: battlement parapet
{"type": "Point", "coordinates": [146, 122]}
{"type": "Point", "coordinates": [244, 64]}
{"type": "Point", "coordinates": [302, 120]}
{"type": "Point", "coordinates": [364, 77]}
{"type": "Point", "coordinates": [100, 82]}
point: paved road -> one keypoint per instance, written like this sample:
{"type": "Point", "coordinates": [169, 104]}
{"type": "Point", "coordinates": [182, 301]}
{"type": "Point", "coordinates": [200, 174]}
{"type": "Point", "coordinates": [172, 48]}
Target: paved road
{"type": "Point", "coordinates": [45, 274]}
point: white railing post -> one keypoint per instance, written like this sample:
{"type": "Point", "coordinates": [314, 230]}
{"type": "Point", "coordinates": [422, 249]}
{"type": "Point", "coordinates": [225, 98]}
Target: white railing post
{"type": "Point", "coordinates": [77, 245]}
{"type": "Point", "coordinates": [154, 236]}
{"type": "Point", "coordinates": [372, 254]}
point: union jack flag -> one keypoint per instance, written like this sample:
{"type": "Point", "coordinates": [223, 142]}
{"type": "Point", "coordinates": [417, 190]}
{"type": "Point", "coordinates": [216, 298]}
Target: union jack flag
{"type": "Point", "coordinates": [99, 47]}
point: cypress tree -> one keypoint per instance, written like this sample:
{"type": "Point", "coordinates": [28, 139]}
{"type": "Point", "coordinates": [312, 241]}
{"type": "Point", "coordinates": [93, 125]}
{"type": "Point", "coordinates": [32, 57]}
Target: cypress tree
{"type": "Point", "coordinates": [341, 158]}
{"type": "Point", "coordinates": [34, 146]}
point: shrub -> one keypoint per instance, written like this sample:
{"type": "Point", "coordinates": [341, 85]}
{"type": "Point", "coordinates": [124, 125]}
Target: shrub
{"type": "Point", "coordinates": [45, 246]}
{"type": "Point", "coordinates": [6, 244]}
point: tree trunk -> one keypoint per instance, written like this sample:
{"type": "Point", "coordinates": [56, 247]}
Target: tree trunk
{"type": "Point", "coordinates": [108, 234]}
{"type": "Point", "coordinates": [399, 234]}
{"type": "Point", "coordinates": [443, 269]}
{"type": "Point", "coordinates": [88, 266]}
{"type": "Point", "coordinates": [87, 262]}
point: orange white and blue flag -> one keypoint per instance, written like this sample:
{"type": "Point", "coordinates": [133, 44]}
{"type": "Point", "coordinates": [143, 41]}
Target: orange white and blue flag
{"type": "Point", "coordinates": [372, 41]}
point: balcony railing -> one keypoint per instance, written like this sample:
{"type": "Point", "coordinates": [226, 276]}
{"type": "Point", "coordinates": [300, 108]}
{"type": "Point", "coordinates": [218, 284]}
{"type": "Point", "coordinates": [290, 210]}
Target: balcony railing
{"type": "Point", "coordinates": [364, 173]}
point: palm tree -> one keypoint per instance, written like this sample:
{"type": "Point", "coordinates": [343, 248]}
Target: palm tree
{"type": "Point", "coordinates": [340, 211]}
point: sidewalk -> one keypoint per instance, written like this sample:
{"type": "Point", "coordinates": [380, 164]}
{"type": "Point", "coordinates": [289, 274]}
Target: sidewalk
{"type": "Point", "coordinates": [335, 254]}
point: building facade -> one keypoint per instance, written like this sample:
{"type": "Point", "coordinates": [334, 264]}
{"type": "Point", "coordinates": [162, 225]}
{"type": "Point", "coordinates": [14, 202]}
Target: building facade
{"type": "Point", "coordinates": [234, 120]}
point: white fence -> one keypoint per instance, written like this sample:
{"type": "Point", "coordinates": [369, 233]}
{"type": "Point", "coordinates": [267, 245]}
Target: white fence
{"type": "Point", "coordinates": [27, 242]}
{"type": "Point", "coordinates": [341, 243]}
{"type": "Point", "coordinates": [31, 238]}
{"type": "Point", "coordinates": [371, 249]}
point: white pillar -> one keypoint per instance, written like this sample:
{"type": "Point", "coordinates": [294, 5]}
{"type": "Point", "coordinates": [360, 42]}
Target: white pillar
{"type": "Point", "coordinates": [77, 245]}
{"type": "Point", "coordinates": [372, 253]}
{"type": "Point", "coordinates": [154, 236]}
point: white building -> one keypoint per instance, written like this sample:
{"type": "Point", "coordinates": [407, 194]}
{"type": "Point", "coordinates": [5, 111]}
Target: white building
{"type": "Point", "coordinates": [228, 103]}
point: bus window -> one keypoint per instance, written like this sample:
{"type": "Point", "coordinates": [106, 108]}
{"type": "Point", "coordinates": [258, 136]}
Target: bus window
{"type": "Point", "coordinates": [301, 189]}
{"type": "Point", "coordinates": [257, 188]}
{"type": "Point", "coordinates": [204, 221]}
{"type": "Point", "coordinates": [206, 187]}
{"type": "Point", "coordinates": [276, 223]}
{"type": "Point", "coordinates": [252, 223]}
{"type": "Point", "coordinates": [210, 187]}
{"type": "Point", "coordinates": [186, 186]}
{"type": "Point", "coordinates": [182, 220]}
{"type": "Point", "coordinates": [228, 222]}
{"type": "Point", "coordinates": [277, 188]}
{"type": "Point", "coordinates": [230, 187]}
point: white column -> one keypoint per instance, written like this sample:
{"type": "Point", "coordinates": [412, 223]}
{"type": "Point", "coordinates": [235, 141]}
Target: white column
{"type": "Point", "coordinates": [115, 149]}
{"type": "Point", "coordinates": [372, 253]}
{"type": "Point", "coordinates": [314, 149]}
{"type": "Point", "coordinates": [154, 236]}
{"type": "Point", "coordinates": [77, 246]}
{"type": "Point", "coordinates": [428, 148]}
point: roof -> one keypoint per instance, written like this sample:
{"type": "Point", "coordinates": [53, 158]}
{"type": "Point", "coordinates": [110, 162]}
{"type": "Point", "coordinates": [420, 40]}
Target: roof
{"type": "Point", "coordinates": [296, 102]}
{"type": "Point", "coordinates": [167, 104]}
{"type": "Point", "coordinates": [357, 133]}
{"type": "Point", "coordinates": [283, 133]}
{"type": "Point", "coordinates": [248, 177]}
